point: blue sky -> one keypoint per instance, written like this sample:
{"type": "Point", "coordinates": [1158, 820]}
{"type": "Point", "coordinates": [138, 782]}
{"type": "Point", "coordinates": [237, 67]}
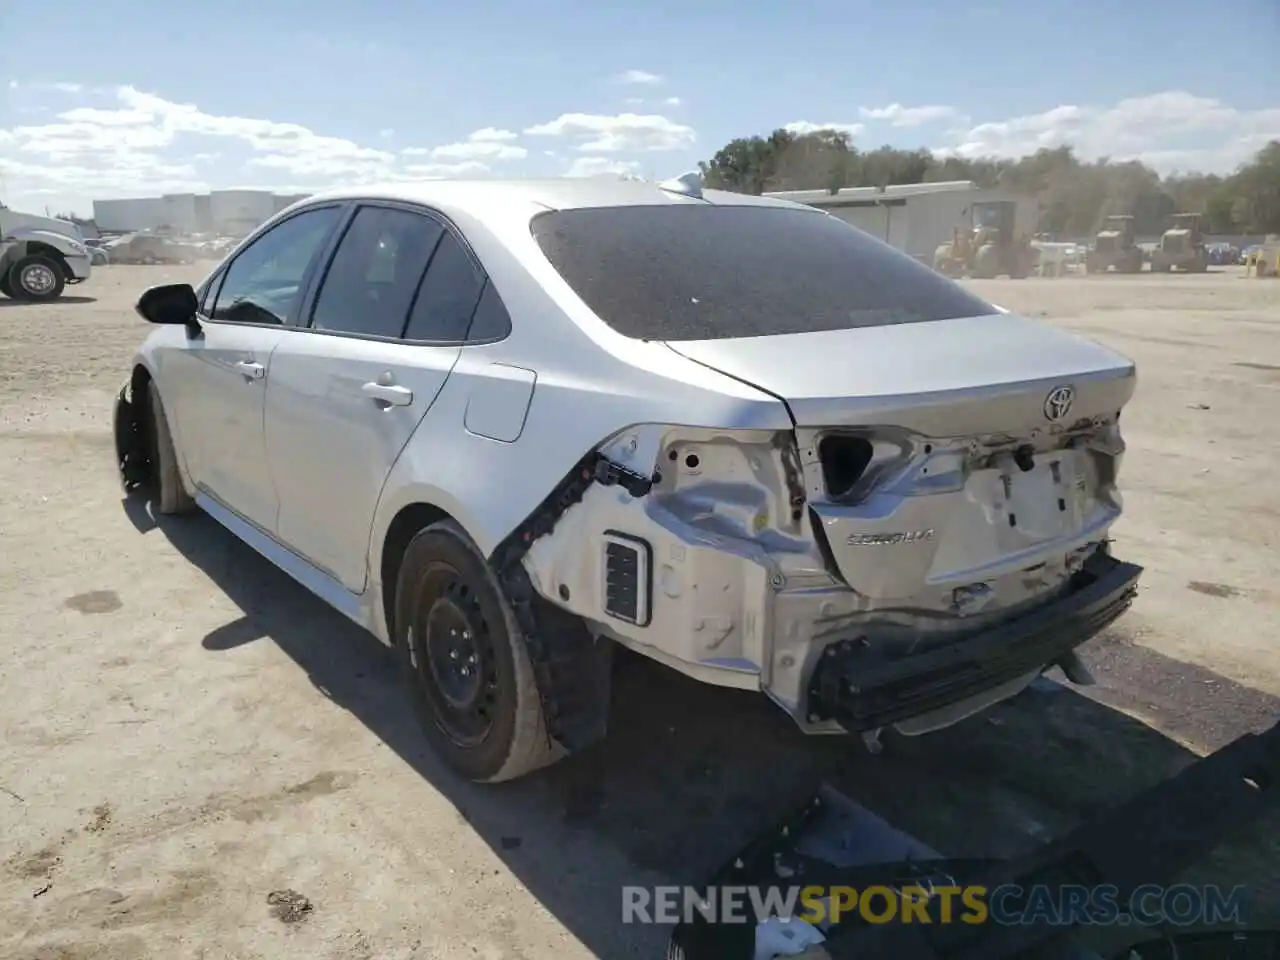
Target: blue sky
{"type": "Point", "coordinates": [146, 96]}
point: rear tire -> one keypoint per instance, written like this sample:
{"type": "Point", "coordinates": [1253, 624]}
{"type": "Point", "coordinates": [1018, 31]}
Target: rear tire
{"type": "Point", "coordinates": [166, 480]}
{"type": "Point", "coordinates": [36, 279]}
{"type": "Point", "coordinates": [465, 662]}
{"type": "Point", "coordinates": [4, 286]}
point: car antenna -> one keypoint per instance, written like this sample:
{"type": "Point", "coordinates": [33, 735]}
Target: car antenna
{"type": "Point", "coordinates": [689, 184]}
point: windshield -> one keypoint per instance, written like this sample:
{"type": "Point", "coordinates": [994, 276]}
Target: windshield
{"type": "Point", "coordinates": [986, 216]}
{"type": "Point", "coordinates": [701, 271]}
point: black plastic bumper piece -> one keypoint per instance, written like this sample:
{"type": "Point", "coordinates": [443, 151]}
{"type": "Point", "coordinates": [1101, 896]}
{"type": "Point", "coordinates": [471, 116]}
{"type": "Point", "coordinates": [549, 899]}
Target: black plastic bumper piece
{"type": "Point", "coordinates": [572, 667]}
{"type": "Point", "coordinates": [862, 694]}
{"type": "Point", "coordinates": [1149, 839]}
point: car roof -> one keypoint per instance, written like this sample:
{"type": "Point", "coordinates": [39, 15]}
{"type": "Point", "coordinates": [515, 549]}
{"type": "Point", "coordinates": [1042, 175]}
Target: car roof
{"type": "Point", "coordinates": [486, 200]}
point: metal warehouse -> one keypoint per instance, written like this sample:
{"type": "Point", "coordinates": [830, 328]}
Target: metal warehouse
{"type": "Point", "coordinates": [227, 212]}
{"type": "Point", "coordinates": [914, 217]}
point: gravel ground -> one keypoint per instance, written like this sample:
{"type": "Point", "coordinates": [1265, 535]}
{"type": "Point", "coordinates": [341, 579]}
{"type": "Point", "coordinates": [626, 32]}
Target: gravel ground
{"type": "Point", "coordinates": [191, 741]}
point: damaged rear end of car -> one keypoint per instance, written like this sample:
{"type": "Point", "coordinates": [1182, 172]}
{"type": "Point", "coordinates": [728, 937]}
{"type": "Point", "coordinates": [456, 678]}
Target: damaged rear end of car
{"type": "Point", "coordinates": [932, 533]}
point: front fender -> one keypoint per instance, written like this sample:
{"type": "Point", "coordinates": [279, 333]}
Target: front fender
{"type": "Point", "coordinates": [68, 246]}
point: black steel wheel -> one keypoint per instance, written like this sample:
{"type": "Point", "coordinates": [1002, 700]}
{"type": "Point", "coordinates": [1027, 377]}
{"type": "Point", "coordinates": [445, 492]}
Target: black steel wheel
{"type": "Point", "coordinates": [465, 661]}
{"type": "Point", "coordinates": [451, 648]}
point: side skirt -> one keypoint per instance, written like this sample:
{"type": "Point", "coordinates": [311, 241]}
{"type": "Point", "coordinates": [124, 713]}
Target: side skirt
{"type": "Point", "coordinates": [314, 579]}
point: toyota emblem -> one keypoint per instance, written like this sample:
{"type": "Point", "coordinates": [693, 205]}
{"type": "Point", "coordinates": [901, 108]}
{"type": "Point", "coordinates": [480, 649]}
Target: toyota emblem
{"type": "Point", "coordinates": [1058, 403]}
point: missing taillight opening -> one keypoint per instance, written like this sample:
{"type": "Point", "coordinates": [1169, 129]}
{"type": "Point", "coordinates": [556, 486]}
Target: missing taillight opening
{"type": "Point", "coordinates": [844, 459]}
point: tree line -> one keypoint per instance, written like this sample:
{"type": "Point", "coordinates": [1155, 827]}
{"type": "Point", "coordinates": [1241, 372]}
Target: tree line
{"type": "Point", "coordinates": [1075, 195]}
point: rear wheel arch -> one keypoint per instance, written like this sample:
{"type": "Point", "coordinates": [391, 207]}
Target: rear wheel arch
{"type": "Point", "coordinates": [404, 526]}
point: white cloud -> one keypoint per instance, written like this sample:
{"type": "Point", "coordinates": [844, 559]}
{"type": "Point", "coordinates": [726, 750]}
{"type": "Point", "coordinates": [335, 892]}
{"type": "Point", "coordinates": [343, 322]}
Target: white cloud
{"type": "Point", "coordinates": [125, 142]}
{"type": "Point", "coordinates": [486, 144]}
{"type": "Point", "coordinates": [600, 166]}
{"type": "Point", "coordinates": [1174, 130]}
{"type": "Point", "coordinates": [639, 76]}
{"type": "Point", "coordinates": [899, 116]}
{"type": "Point", "coordinates": [438, 171]}
{"type": "Point", "coordinates": [600, 133]}
{"type": "Point", "coordinates": [493, 135]}
{"type": "Point", "coordinates": [635, 101]}
{"type": "Point", "coordinates": [803, 128]}
{"type": "Point", "coordinates": [673, 101]}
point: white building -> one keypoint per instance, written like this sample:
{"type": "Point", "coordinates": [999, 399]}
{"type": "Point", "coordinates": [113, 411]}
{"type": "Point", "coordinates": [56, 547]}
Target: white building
{"type": "Point", "coordinates": [227, 212]}
{"type": "Point", "coordinates": [914, 217]}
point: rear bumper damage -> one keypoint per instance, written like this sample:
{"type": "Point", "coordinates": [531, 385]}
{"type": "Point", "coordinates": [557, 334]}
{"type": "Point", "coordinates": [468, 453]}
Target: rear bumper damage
{"type": "Point", "coordinates": [966, 573]}
{"type": "Point", "coordinates": [863, 695]}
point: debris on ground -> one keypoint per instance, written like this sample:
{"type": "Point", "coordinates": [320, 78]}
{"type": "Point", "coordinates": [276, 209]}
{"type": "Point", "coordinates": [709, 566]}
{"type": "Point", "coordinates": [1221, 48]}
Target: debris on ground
{"type": "Point", "coordinates": [101, 819]}
{"type": "Point", "coordinates": [288, 906]}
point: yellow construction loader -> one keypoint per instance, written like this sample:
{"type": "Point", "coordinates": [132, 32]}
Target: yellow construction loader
{"type": "Point", "coordinates": [1181, 247]}
{"type": "Point", "coordinates": [991, 247]}
{"type": "Point", "coordinates": [1115, 246]}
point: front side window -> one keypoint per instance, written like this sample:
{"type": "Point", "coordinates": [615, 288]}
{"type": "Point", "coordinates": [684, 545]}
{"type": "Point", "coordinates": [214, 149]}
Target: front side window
{"type": "Point", "coordinates": [263, 283]}
{"type": "Point", "coordinates": [375, 272]}
{"type": "Point", "coordinates": [710, 271]}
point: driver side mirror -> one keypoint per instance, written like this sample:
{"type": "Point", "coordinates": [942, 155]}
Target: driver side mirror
{"type": "Point", "coordinates": [169, 303]}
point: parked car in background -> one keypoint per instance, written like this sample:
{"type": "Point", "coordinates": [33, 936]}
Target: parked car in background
{"type": "Point", "coordinates": [506, 426]}
{"type": "Point", "coordinates": [97, 253]}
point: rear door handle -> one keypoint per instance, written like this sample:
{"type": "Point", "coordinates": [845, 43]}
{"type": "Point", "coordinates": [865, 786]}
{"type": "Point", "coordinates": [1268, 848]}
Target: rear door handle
{"type": "Point", "coordinates": [388, 393]}
{"type": "Point", "coordinates": [254, 371]}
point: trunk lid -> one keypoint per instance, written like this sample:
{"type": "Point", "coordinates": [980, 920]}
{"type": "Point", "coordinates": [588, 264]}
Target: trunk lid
{"type": "Point", "coordinates": [961, 464]}
{"type": "Point", "coordinates": [946, 378]}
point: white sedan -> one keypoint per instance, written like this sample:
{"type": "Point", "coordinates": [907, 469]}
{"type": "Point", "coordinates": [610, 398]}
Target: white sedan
{"type": "Point", "coordinates": [506, 426]}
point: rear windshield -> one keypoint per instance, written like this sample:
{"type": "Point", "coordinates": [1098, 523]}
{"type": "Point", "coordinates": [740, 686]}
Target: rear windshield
{"type": "Point", "coordinates": [703, 272]}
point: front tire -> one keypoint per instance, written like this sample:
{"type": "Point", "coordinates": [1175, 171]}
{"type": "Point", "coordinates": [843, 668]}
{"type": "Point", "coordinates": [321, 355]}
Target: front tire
{"type": "Point", "coordinates": [465, 661]}
{"type": "Point", "coordinates": [166, 480]}
{"type": "Point", "coordinates": [36, 279]}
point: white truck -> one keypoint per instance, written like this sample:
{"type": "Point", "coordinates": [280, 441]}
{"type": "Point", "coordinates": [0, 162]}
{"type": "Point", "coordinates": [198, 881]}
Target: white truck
{"type": "Point", "coordinates": [40, 256]}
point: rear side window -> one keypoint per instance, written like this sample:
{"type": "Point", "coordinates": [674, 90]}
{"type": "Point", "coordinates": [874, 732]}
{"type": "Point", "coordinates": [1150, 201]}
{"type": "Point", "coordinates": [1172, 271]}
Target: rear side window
{"type": "Point", "coordinates": [491, 320]}
{"type": "Point", "coordinates": [371, 281]}
{"type": "Point", "coordinates": [448, 297]}
{"type": "Point", "coordinates": [702, 272]}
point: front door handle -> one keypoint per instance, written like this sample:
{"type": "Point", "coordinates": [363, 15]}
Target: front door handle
{"type": "Point", "coordinates": [254, 371]}
{"type": "Point", "coordinates": [388, 393]}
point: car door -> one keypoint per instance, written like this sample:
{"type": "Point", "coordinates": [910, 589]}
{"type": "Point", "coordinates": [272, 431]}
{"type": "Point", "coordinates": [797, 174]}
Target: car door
{"type": "Point", "coordinates": [218, 379]}
{"type": "Point", "coordinates": [386, 327]}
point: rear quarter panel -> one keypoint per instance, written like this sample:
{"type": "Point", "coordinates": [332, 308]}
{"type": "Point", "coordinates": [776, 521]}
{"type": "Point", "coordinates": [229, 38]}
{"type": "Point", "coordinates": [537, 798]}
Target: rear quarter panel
{"type": "Point", "coordinates": [590, 385]}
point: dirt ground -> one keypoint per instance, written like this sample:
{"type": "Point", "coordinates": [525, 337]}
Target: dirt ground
{"type": "Point", "coordinates": [187, 733]}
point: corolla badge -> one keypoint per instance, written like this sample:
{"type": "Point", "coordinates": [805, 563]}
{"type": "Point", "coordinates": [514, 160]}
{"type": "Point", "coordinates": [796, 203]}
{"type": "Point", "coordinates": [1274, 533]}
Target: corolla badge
{"type": "Point", "coordinates": [1058, 403]}
{"type": "Point", "coordinates": [888, 539]}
